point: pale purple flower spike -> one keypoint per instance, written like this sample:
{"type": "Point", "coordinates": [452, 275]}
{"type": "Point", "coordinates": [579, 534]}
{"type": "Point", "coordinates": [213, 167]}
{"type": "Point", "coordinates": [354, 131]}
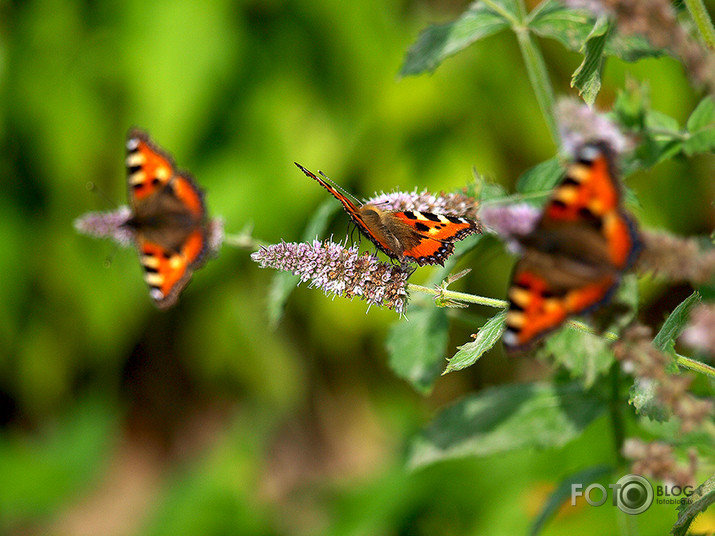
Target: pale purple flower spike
{"type": "Point", "coordinates": [510, 220]}
{"type": "Point", "coordinates": [339, 271]}
{"type": "Point", "coordinates": [107, 225]}
{"type": "Point", "coordinates": [448, 204]}
{"type": "Point", "coordinates": [579, 124]}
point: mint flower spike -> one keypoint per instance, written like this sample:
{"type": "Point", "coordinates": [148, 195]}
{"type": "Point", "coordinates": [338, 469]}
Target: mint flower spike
{"type": "Point", "coordinates": [340, 272]}
{"type": "Point", "coordinates": [107, 225]}
{"type": "Point", "coordinates": [579, 124]}
{"type": "Point", "coordinates": [447, 204]}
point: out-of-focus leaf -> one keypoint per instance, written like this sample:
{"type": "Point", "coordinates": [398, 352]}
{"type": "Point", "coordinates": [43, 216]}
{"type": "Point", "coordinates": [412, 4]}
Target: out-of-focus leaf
{"type": "Point", "coordinates": [571, 27]}
{"type": "Point", "coordinates": [585, 355]}
{"type": "Point", "coordinates": [587, 77]}
{"type": "Point", "coordinates": [284, 283]}
{"type": "Point", "coordinates": [487, 336]}
{"type": "Point", "coordinates": [439, 41]}
{"type": "Point", "coordinates": [675, 323]}
{"type": "Point", "coordinates": [703, 116]}
{"type": "Point", "coordinates": [417, 345]}
{"type": "Point", "coordinates": [562, 493]}
{"type": "Point", "coordinates": [698, 502]}
{"type": "Point", "coordinates": [702, 141]}
{"type": "Point", "coordinates": [540, 178]}
{"type": "Point", "coordinates": [504, 418]}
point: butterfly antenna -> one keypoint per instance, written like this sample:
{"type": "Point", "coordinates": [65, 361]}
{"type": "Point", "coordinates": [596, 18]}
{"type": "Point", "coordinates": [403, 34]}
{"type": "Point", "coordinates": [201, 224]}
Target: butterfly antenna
{"type": "Point", "coordinates": [339, 188]}
{"type": "Point", "coordinates": [95, 189]}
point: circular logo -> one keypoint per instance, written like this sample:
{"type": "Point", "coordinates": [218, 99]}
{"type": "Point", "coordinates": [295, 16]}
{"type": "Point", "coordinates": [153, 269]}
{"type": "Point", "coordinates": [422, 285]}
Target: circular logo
{"type": "Point", "coordinates": [633, 494]}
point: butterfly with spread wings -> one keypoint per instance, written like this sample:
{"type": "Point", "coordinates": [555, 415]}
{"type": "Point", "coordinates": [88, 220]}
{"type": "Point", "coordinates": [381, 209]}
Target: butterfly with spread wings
{"type": "Point", "coordinates": [168, 219]}
{"type": "Point", "coordinates": [407, 236]}
{"type": "Point", "coordinates": [576, 255]}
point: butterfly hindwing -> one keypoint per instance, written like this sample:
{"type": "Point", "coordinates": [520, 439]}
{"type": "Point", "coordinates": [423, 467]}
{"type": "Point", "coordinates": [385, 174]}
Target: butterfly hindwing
{"type": "Point", "coordinates": [169, 219]}
{"type": "Point", "coordinates": [573, 260]}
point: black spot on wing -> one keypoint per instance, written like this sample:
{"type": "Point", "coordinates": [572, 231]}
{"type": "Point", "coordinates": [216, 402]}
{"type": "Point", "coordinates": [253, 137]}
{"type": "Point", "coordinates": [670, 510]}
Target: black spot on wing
{"type": "Point", "coordinates": [421, 227]}
{"type": "Point", "coordinates": [410, 215]}
{"type": "Point", "coordinates": [134, 169]}
{"type": "Point", "coordinates": [455, 219]}
{"type": "Point", "coordinates": [431, 217]}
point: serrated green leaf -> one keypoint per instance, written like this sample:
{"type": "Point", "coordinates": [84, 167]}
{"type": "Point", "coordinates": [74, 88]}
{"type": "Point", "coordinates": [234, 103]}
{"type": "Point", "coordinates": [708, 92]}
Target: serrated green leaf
{"type": "Point", "coordinates": [698, 502]}
{"type": "Point", "coordinates": [554, 20]}
{"type": "Point", "coordinates": [439, 41]}
{"type": "Point", "coordinates": [562, 493]}
{"type": "Point", "coordinates": [505, 418]}
{"type": "Point", "coordinates": [703, 116]}
{"type": "Point", "coordinates": [487, 336]}
{"type": "Point", "coordinates": [284, 283]}
{"type": "Point", "coordinates": [658, 120]}
{"type": "Point", "coordinates": [571, 27]}
{"type": "Point", "coordinates": [587, 77]}
{"type": "Point", "coordinates": [540, 178]}
{"type": "Point", "coordinates": [416, 346]}
{"type": "Point", "coordinates": [675, 323]}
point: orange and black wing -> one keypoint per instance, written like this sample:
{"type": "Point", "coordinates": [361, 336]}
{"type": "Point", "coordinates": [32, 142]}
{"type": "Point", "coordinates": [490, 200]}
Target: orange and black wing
{"type": "Point", "coordinates": [431, 236]}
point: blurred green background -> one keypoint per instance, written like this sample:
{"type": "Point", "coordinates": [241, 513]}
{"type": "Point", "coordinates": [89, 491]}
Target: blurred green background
{"type": "Point", "coordinates": [118, 419]}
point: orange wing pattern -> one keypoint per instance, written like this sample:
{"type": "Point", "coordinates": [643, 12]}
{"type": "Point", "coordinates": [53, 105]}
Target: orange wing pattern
{"type": "Point", "coordinates": [169, 219]}
{"type": "Point", "coordinates": [556, 278]}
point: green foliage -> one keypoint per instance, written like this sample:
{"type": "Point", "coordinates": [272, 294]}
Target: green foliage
{"type": "Point", "coordinates": [703, 497]}
{"type": "Point", "coordinates": [416, 347]}
{"type": "Point", "coordinates": [486, 338]}
{"type": "Point", "coordinates": [505, 418]}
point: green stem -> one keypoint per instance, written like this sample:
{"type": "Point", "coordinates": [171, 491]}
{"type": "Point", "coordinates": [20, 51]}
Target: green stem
{"type": "Point", "coordinates": [539, 78]}
{"type": "Point", "coordinates": [578, 325]}
{"type": "Point", "coordinates": [498, 8]}
{"type": "Point", "coordinates": [700, 15]}
{"type": "Point", "coordinates": [614, 408]}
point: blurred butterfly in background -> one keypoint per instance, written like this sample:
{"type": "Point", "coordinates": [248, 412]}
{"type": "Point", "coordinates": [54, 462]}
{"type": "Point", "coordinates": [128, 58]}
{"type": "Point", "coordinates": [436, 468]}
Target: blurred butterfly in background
{"type": "Point", "coordinates": [407, 236]}
{"type": "Point", "coordinates": [574, 258]}
{"type": "Point", "coordinates": [168, 220]}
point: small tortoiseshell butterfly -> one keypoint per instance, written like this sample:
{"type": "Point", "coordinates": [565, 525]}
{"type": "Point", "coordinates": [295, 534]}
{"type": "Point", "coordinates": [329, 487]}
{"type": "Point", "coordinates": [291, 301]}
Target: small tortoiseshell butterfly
{"type": "Point", "coordinates": [574, 259]}
{"type": "Point", "coordinates": [409, 236]}
{"type": "Point", "coordinates": [168, 220]}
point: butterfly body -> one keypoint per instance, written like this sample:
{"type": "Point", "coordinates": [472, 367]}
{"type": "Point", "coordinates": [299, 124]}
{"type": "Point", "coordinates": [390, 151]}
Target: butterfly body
{"type": "Point", "coordinates": [574, 258]}
{"type": "Point", "coordinates": [408, 236]}
{"type": "Point", "coordinates": [169, 219]}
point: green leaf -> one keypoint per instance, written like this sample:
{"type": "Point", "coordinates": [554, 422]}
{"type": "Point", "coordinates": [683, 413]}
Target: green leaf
{"type": "Point", "coordinates": [698, 502]}
{"type": "Point", "coordinates": [284, 282]}
{"type": "Point", "coordinates": [439, 41]}
{"type": "Point", "coordinates": [505, 418]}
{"type": "Point", "coordinates": [487, 336]}
{"type": "Point", "coordinates": [587, 77]}
{"type": "Point", "coordinates": [700, 142]}
{"type": "Point", "coordinates": [572, 27]}
{"type": "Point", "coordinates": [703, 116]}
{"type": "Point", "coordinates": [417, 346]}
{"type": "Point", "coordinates": [540, 178]}
{"type": "Point", "coordinates": [562, 493]}
{"type": "Point", "coordinates": [554, 20]}
{"type": "Point", "coordinates": [675, 323]}
{"type": "Point", "coordinates": [593, 358]}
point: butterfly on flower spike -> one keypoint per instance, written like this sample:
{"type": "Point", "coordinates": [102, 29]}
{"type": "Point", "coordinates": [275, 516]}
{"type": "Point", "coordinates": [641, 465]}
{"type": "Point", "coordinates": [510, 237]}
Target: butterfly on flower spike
{"type": "Point", "coordinates": [168, 219]}
{"type": "Point", "coordinates": [407, 236]}
{"type": "Point", "coordinates": [575, 257]}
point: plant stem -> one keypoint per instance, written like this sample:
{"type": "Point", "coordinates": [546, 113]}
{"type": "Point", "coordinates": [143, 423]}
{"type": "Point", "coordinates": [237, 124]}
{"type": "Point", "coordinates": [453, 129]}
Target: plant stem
{"type": "Point", "coordinates": [614, 407]}
{"type": "Point", "coordinates": [700, 15]}
{"type": "Point", "coordinates": [539, 78]}
{"type": "Point", "coordinates": [681, 360]}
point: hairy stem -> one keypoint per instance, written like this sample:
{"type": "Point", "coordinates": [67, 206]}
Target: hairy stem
{"type": "Point", "coordinates": [700, 15]}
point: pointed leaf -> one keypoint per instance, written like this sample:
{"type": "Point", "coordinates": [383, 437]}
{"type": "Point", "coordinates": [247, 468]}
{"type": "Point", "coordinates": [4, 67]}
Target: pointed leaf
{"type": "Point", "coordinates": [703, 116]}
{"type": "Point", "coordinates": [675, 323]}
{"type": "Point", "coordinates": [417, 346]}
{"type": "Point", "coordinates": [439, 41]}
{"type": "Point", "coordinates": [505, 418]}
{"type": "Point", "coordinates": [587, 77]}
{"type": "Point", "coordinates": [487, 336]}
